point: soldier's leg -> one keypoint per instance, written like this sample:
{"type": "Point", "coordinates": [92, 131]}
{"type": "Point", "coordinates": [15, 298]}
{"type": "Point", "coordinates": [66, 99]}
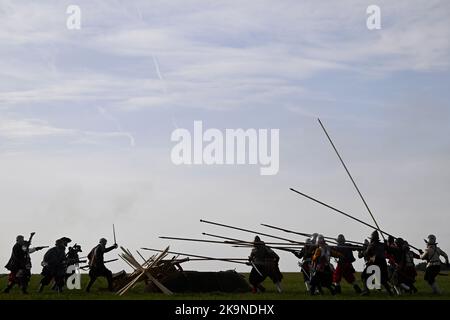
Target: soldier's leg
{"type": "Point", "coordinates": [337, 277]}
{"type": "Point", "coordinates": [44, 282]}
{"type": "Point", "coordinates": [314, 283]}
{"type": "Point", "coordinates": [364, 278]}
{"type": "Point", "coordinates": [24, 278]}
{"type": "Point", "coordinates": [276, 276]}
{"type": "Point", "coordinates": [255, 280]}
{"type": "Point", "coordinates": [11, 282]}
{"type": "Point", "coordinates": [349, 276]}
{"type": "Point", "coordinates": [432, 274]}
{"type": "Point", "coordinates": [327, 281]}
{"type": "Point", "coordinates": [59, 282]}
{"type": "Point", "coordinates": [92, 277]}
{"type": "Point", "coordinates": [109, 278]}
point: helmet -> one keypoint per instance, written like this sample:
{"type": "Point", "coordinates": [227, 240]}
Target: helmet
{"type": "Point", "coordinates": [103, 241]}
{"type": "Point", "coordinates": [431, 239]}
{"type": "Point", "coordinates": [399, 242]}
{"type": "Point", "coordinates": [374, 236]}
{"type": "Point", "coordinates": [20, 238]}
{"type": "Point", "coordinates": [340, 239]}
{"type": "Point", "coordinates": [320, 239]}
{"type": "Point", "coordinates": [314, 238]}
{"type": "Point", "coordinates": [391, 239]}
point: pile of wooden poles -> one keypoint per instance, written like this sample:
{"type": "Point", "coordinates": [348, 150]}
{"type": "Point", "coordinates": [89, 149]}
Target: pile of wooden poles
{"type": "Point", "coordinates": [144, 271]}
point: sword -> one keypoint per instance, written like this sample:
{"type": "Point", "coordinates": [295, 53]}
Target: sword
{"type": "Point", "coordinates": [304, 272]}
{"type": "Point", "coordinates": [114, 234]}
{"type": "Point", "coordinates": [254, 266]}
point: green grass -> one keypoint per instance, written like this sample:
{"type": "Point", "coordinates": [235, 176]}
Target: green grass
{"type": "Point", "coordinates": [292, 285]}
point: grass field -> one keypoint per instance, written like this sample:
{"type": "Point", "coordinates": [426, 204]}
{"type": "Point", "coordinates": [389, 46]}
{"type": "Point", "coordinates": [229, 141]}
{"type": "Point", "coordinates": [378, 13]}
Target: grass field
{"type": "Point", "coordinates": [292, 285]}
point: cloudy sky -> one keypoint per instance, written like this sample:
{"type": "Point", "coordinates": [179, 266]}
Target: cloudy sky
{"type": "Point", "coordinates": [86, 118]}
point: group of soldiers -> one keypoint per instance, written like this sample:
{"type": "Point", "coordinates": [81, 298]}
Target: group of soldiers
{"type": "Point", "coordinates": [393, 257]}
{"type": "Point", "coordinates": [56, 264]}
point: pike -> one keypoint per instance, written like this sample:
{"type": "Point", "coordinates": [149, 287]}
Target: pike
{"type": "Point", "coordinates": [197, 256]}
{"type": "Point", "coordinates": [307, 234]}
{"type": "Point", "coordinates": [195, 240]}
{"type": "Point", "coordinates": [275, 248]}
{"type": "Point", "coordinates": [244, 244]}
{"type": "Point", "coordinates": [250, 231]}
{"type": "Point", "coordinates": [292, 249]}
{"type": "Point", "coordinates": [345, 214]}
{"type": "Point", "coordinates": [221, 242]}
{"type": "Point", "coordinates": [351, 178]}
{"type": "Point", "coordinates": [241, 243]}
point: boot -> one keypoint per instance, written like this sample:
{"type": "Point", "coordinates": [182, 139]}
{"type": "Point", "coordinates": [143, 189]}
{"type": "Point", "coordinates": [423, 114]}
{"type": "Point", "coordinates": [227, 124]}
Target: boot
{"type": "Point", "coordinates": [8, 288]}
{"type": "Point", "coordinates": [405, 287]}
{"type": "Point", "coordinates": [435, 288]}
{"type": "Point", "coordinates": [307, 285]}
{"type": "Point", "coordinates": [388, 289]}
{"type": "Point", "coordinates": [365, 291]}
{"type": "Point", "coordinates": [261, 288]}
{"type": "Point", "coordinates": [88, 288]}
{"type": "Point", "coordinates": [332, 290]}
{"type": "Point", "coordinates": [337, 288]}
{"type": "Point", "coordinates": [24, 289]}
{"type": "Point", "coordinates": [278, 285]}
{"type": "Point", "coordinates": [312, 290]}
{"type": "Point", "coordinates": [357, 289]}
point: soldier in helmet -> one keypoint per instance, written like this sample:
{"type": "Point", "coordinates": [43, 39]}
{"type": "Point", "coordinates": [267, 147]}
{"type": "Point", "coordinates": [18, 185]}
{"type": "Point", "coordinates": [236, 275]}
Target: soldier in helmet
{"type": "Point", "coordinates": [97, 264]}
{"type": "Point", "coordinates": [432, 255]}
{"type": "Point", "coordinates": [344, 268]}
{"type": "Point", "coordinates": [265, 264]}
{"type": "Point", "coordinates": [406, 267]}
{"type": "Point", "coordinates": [54, 265]}
{"type": "Point", "coordinates": [306, 254]}
{"type": "Point", "coordinates": [321, 267]}
{"type": "Point", "coordinates": [375, 255]}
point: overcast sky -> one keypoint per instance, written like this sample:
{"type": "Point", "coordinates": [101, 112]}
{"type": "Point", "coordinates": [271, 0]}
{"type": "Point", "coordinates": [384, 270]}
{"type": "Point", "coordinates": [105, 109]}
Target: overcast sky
{"type": "Point", "coordinates": [86, 117]}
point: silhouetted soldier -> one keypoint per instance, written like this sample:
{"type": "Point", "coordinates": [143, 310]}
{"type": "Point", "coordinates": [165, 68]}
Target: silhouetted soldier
{"type": "Point", "coordinates": [344, 268]}
{"type": "Point", "coordinates": [19, 264]}
{"type": "Point", "coordinates": [306, 254]}
{"type": "Point", "coordinates": [97, 264]}
{"type": "Point", "coordinates": [321, 268]}
{"type": "Point", "coordinates": [265, 264]}
{"type": "Point", "coordinates": [375, 255]}
{"type": "Point", "coordinates": [54, 265]}
{"type": "Point", "coordinates": [432, 256]}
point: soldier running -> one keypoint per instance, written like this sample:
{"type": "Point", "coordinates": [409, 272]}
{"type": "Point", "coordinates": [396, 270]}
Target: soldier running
{"type": "Point", "coordinates": [97, 264]}
{"type": "Point", "coordinates": [265, 264]}
{"type": "Point", "coordinates": [19, 264]}
{"type": "Point", "coordinates": [321, 268]}
{"type": "Point", "coordinates": [305, 254]}
{"type": "Point", "coordinates": [54, 265]}
{"type": "Point", "coordinates": [432, 255]}
{"type": "Point", "coordinates": [344, 268]}
{"type": "Point", "coordinates": [375, 255]}
{"type": "Point", "coordinates": [406, 269]}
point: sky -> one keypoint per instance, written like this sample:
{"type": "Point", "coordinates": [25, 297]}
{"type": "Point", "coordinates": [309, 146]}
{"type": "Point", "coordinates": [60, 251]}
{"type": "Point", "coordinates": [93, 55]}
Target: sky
{"type": "Point", "coordinates": [86, 118]}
